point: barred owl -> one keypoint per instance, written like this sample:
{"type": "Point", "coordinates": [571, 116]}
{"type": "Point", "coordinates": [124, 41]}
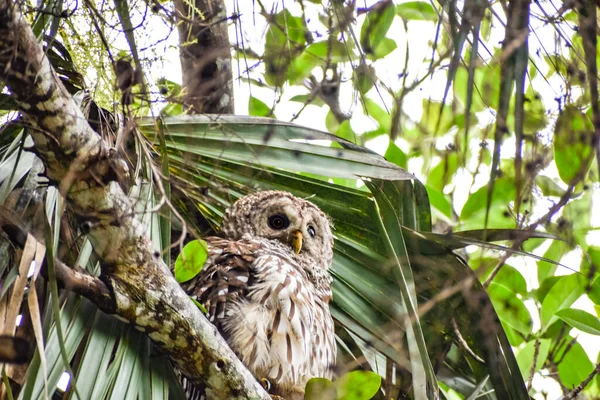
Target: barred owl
{"type": "Point", "coordinates": [267, 288]}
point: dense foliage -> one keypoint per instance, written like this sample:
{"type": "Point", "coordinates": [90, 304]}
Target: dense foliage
{"type": "Point", "coordinates": [492, 106]}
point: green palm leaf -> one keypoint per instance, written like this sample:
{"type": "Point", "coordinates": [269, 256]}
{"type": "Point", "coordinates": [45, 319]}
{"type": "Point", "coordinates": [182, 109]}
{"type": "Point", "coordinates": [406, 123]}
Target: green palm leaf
{"type": "Point", "coordinates": [375, 292]}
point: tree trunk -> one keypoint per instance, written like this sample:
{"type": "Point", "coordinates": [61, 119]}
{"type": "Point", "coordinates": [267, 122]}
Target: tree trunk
{"type": "Point", "coordinates": [205, 57]}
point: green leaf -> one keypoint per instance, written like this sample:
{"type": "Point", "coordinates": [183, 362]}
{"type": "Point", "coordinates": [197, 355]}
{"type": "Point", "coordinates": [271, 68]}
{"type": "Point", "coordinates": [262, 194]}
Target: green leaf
{"type": "Point", "coordinates": [530, 245]}
{"type": "Point", "coordinates": [358, 385]}
{"type": "Point", "coordinates": [575, 365]}
{"type": "Point", "coordinates": [97, 356]}
{"type": "Point", "coordinates": [375, 27]}
{"type": "Point", "coordinates": [331, 122]}
{"type": "Point", "coordinates": [581, 320]}
{"type": "Point", "coordinates": [197, 303]}
{"type": "Point", "coordinates": [381, 116]}
{"type": "Point", "coordinates": [363, 78]}
{"type": "Point", "coordinates": [140, 106]}
{"type": "Point", "coordinates": [431, 114]}
{"type": "Point", "coordinates": [509, 277]}
{"type": "Point", "coordinates": [335, 52]}
{"type": "Point", "coordinates": [514, 338]}
{"type": "Point", "coordinates": [396, 155]}
{"type": "Point", "coordinates": [304, 98]}
{"type": "Point", "coordinates": [385, 47]}
{"type": "Point", "coordinates": [460, 87]}
{"type": "Point", "coordinates": [301, 68]}
{"type": "Point", "coordinates": [284, 40]}
{"type": "Point", "coordinates": [318, 54]}
{"type": "Point", "coordinates": [573, 136]}
{"type": "Point", "coordinates": [548, 186]}
{"type": "Point", "coordinates": [191, 260]}
{"type": "Point", "coordinates": [462, 239]}
{"type": "Point", "coordinates": [320, 388]}
{"type": "Point", "coordinates": [439, 201]}
{"type": "Point", "coordinates": [77, 316]}
{"type": "Point", "coordinates": [556, 64]}
{"type": "Point", "coordinates": [293, 26]}
{"type": "Point", "coordinates": [258, 108]}
{"type": "Point", "coordinates": [555, 252]}
{"type": "Point", "coordinates": [562, 295]}
{"type": "Point", "coordinates": [525, 356]}
{"type": "Point", "coordinates": [443, 172]}
{"type": "Point", "coordinates": [285, 32]}
{"type": "Point", "coordinates": [545, 287]}
{"type": "Point", "coordinates": [510, 308]}
{"type": "Point", "coordinates": [393, 212]}
{"type": "Point", "coordinates": [504, 192]}
{"type": "Point", "coordinates": [578, 214]}
{"type": "Point", "coordinates": [9, 280]}
{"type": "Point", "coordinates": [345, 131]}
{"type": "Point", "coordinates": [127, 381]}
{"type": "Point", "coordinates": [490, 90]}
{"type": "Point", "coordinates": [416, 11]}
{"type": "Point", "coordinates": [594, 291]}
{"type": "Point", "coordinates": [535, 113]}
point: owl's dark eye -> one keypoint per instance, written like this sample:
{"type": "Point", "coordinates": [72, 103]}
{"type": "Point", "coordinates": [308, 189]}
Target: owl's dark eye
{"type": "Point", "coordinates": [279, 222]}
{"type": "Point", "coordinates": [311, 231]}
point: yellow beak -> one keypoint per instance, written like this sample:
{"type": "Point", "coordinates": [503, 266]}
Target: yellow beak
{"type": "Point", "coordinates": [297, 241]}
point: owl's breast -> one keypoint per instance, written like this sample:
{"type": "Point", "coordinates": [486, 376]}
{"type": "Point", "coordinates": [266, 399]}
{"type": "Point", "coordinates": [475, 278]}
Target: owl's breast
{"type": "Point", "coordinates": [269, 312]}
{"type": "Point", "coordinates": [277, 327]}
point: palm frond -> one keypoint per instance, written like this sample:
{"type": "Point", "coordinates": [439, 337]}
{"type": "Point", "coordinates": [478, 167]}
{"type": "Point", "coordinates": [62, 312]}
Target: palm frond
{"type": "Point", "coordinates": [376, 257]}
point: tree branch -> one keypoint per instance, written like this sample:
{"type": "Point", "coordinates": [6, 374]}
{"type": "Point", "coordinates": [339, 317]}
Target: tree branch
{"type": "Point", "coordinates": [141, 286]}
{"type": "Point", "coordinates": [76, 281]}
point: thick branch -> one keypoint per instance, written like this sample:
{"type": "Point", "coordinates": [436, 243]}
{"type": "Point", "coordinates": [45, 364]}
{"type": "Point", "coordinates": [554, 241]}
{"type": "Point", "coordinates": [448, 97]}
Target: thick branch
{"type": "Point", "coordinates": [142, 288]}
{"type": "Point", "coordinates": [82, 283]}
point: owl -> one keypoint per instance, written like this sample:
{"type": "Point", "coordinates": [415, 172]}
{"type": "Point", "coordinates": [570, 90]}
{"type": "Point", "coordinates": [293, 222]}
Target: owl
{"type": "Point", "coordinates": [267, 288]}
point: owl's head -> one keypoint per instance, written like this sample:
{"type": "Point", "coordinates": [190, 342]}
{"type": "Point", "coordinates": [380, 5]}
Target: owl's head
{"type": "Point", "coordinates": [277, 215]}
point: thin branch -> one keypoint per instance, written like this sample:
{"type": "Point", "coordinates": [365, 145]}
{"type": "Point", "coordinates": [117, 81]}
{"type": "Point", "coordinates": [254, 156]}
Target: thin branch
{"type": "Point", "coordinates": [575, 392]}
{"type": "Point", "coordinates": [463, 343]}
{"type": "Point", "coordinates": [564, 199]}
{"type": "Point", "coordinates": [536, 353]}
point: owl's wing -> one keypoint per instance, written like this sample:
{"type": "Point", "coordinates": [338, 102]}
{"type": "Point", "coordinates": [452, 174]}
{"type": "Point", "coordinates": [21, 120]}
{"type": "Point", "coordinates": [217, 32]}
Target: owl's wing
{"type": "Point", "coordinates": [224, 278]}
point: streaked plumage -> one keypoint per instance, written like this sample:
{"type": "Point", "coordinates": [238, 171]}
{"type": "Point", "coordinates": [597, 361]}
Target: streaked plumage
{"type": "Point", "coordinates": [270, 302]}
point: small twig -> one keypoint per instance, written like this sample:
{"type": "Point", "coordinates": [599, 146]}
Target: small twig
{"type": "Point", "coordinates": [575, 392]}
{"type": "Point", "coordinates": [536, 353]}
{"type": "Point", "coordinates": [564, 199]}
{"type": "Point", "coordinates": [567, 349]}
{"type": "Point", "coordinates": [444, 294]}
{"type": "Point", "coordinates": [463, 343]}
